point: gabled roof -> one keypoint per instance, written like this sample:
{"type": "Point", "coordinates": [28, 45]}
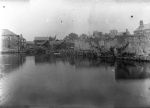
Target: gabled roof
{"type": "Point", "coordinates": [29, 42]}
{"type": "Point", "coordinates": [53, 42]}
{"type": "Point", "coordinates": [41, 38]}
{"type": "Point", "coordinates": [21, 37]}
{"type": "Point", "coordinates": [144, 27]}
{"type": "Point", "coordinates": [6, 32]}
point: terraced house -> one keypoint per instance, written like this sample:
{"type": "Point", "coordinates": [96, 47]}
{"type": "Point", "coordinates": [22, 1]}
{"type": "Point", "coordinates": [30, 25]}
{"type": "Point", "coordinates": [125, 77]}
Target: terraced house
{"type": "Point", "coordinates": [11, 41]}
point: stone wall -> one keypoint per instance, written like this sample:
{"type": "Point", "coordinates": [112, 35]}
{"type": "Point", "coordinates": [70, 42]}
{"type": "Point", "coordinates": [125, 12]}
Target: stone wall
{"type": "Point", "coordinates": [82, 45]}
{"type": "Point", "coordinates": [137, 44]}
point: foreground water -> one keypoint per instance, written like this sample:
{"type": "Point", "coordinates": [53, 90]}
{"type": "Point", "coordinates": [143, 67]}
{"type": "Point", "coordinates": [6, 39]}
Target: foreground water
{"type": "Point", "coordinates": [50, 81]}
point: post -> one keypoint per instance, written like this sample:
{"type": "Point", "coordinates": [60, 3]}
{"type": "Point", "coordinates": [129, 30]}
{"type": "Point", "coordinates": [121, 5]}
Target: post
{"type": "Point", "coordinates": [18, 43]}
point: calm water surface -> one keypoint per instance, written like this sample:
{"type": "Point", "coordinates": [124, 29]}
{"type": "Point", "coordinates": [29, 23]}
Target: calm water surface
{"type": "Point", "coordinates": [50, 81]}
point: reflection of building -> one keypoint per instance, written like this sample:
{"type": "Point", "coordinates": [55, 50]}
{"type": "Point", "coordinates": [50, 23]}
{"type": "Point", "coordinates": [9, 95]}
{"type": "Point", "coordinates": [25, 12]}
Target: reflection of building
{"type": "Point", "coordinates": [11, 62]}
{"type": "Point", "coordinates": [143, 29]}
{"type": "Point", "coordinates": [44, 59]}
{"type": "Point", "coordinates": [51, 59]}
{"type": "Point", "coordinates": [130, 70]}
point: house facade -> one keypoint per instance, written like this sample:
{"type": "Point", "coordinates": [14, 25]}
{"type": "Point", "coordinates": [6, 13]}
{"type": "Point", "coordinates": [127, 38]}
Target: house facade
{"type": "Point", "coordinates": [12, 41]}
{"type": "Point", "coordinates": [97, 34]}
{"type": "Point", "coordinates": [22, 42]}
{"type": "Point", "coordinates": [29, 44]}
{"type": "Point", "coordinates": [113, 33]}
{"type": "Point", "coordinates": [38, 41]}
{"type": "Point", "coordinates": [9, 39]}
{"type": "Point", "coordinates": [143, 29]}
{"type": "Point", "coordinates": [142, 36]}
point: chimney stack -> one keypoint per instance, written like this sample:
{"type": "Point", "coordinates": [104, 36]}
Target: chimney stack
{"type": "Point", "coordinates": [141, 22]}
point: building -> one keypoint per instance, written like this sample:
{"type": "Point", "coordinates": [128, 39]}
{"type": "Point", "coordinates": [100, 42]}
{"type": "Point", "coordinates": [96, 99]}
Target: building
{"type": "Point", "coordinates": [97, 34]}
{"type": "Point", "coordinates": [40, 40]}
{"type": "Point", "coordinates": [29, 44]}
{"type": "Point", "coordinates": [143, 29]}
{"type": "Point", "coordinates": [142, 33]}
{"type": "Point", "coordinates": [56, 44]}
{"type": "Point", "coordinates": [12, 41]}
{"type": "Point", "coordinates": [22, 42]}
{"type": "Point", "coordinates": [113, 33]}
{"type": "Point", "coordinates": [123, 33]}
{"type": "Point", "coordinates": [9, 40]}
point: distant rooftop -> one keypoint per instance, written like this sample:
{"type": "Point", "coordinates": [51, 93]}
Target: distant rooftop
{"type": "Point", "coordinates": [143, 27]}
{"type": "Point", "coordinates": [7, 32]}
{"type": "Point", "coordinates": [29, 42]}
{"type": "Point", "coordinates": [21, 37]}
{"type": "Point", "coordinates": [41, 38]}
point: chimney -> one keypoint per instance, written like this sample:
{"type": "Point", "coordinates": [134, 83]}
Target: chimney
{"type": "Point", "coordinates": [127, 32]}
{"type": "Point", "coordinates": [141, 22]}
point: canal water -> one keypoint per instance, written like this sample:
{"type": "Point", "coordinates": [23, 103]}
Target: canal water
{"type": "Point", "coordinates": [72, 82]}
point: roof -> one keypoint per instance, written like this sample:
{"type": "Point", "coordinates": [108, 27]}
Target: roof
{"type": "Point", "coordinates": [120, 33]}
{"type": "Point", "coordinates": [56, 42]}
{"type": "Point", "coordinates": [7, 32]}
{"type": "Point", "coordinates": [29, 42]}
{"type": "Point", "coordinates": [41, 38]}
{"type": "Point", "coordinates": [53, 42]}
{"type": "Point", "coordinates": [21, 37]}
{"type": "Point", "coordinates": [144, 27]}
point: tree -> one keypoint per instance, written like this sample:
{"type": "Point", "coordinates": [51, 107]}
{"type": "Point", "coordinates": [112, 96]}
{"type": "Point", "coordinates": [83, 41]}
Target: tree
{"type": "Point", "coordinates": [71, 37]}
{"type": "Point", "coordinates": [83, 36]}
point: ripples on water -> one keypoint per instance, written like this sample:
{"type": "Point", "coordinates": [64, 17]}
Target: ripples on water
{"type": "Point", "coordinates": [49, 81]}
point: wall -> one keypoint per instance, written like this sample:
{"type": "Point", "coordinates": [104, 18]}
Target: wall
{"type": "Point", "coordinates": [82, 45]}
{"type": "Point", "coordinates": [9, 41]}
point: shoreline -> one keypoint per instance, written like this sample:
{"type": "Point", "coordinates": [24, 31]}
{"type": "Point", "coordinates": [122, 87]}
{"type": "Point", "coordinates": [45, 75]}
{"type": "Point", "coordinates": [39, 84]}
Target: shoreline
{"type": "Point", "coordinates": [80, 53]}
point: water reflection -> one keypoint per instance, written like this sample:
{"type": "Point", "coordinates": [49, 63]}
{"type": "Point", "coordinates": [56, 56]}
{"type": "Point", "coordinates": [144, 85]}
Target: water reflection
{"type": "Point", "coordinates": [46, 80]}
{"type": "Point", "coordinates": [40, 59]}
{"type": "Point", "coordinates": [9, 63]}
{"type": "Point", "coordinates": [131, 70]}
{"type": "Point", "coordinates": [72, 60]}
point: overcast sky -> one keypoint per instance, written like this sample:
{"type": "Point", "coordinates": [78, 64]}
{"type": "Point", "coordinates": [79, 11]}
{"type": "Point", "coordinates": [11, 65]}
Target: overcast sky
{"type": "Point", "coordinates": [61, 17]}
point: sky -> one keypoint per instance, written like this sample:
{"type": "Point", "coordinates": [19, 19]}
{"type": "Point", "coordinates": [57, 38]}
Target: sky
{"type": "Point", "coordinates": [33, 18]}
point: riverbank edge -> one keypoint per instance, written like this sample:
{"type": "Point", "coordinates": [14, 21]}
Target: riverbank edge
{"type": "Point", "coordinates": [140, 58]}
